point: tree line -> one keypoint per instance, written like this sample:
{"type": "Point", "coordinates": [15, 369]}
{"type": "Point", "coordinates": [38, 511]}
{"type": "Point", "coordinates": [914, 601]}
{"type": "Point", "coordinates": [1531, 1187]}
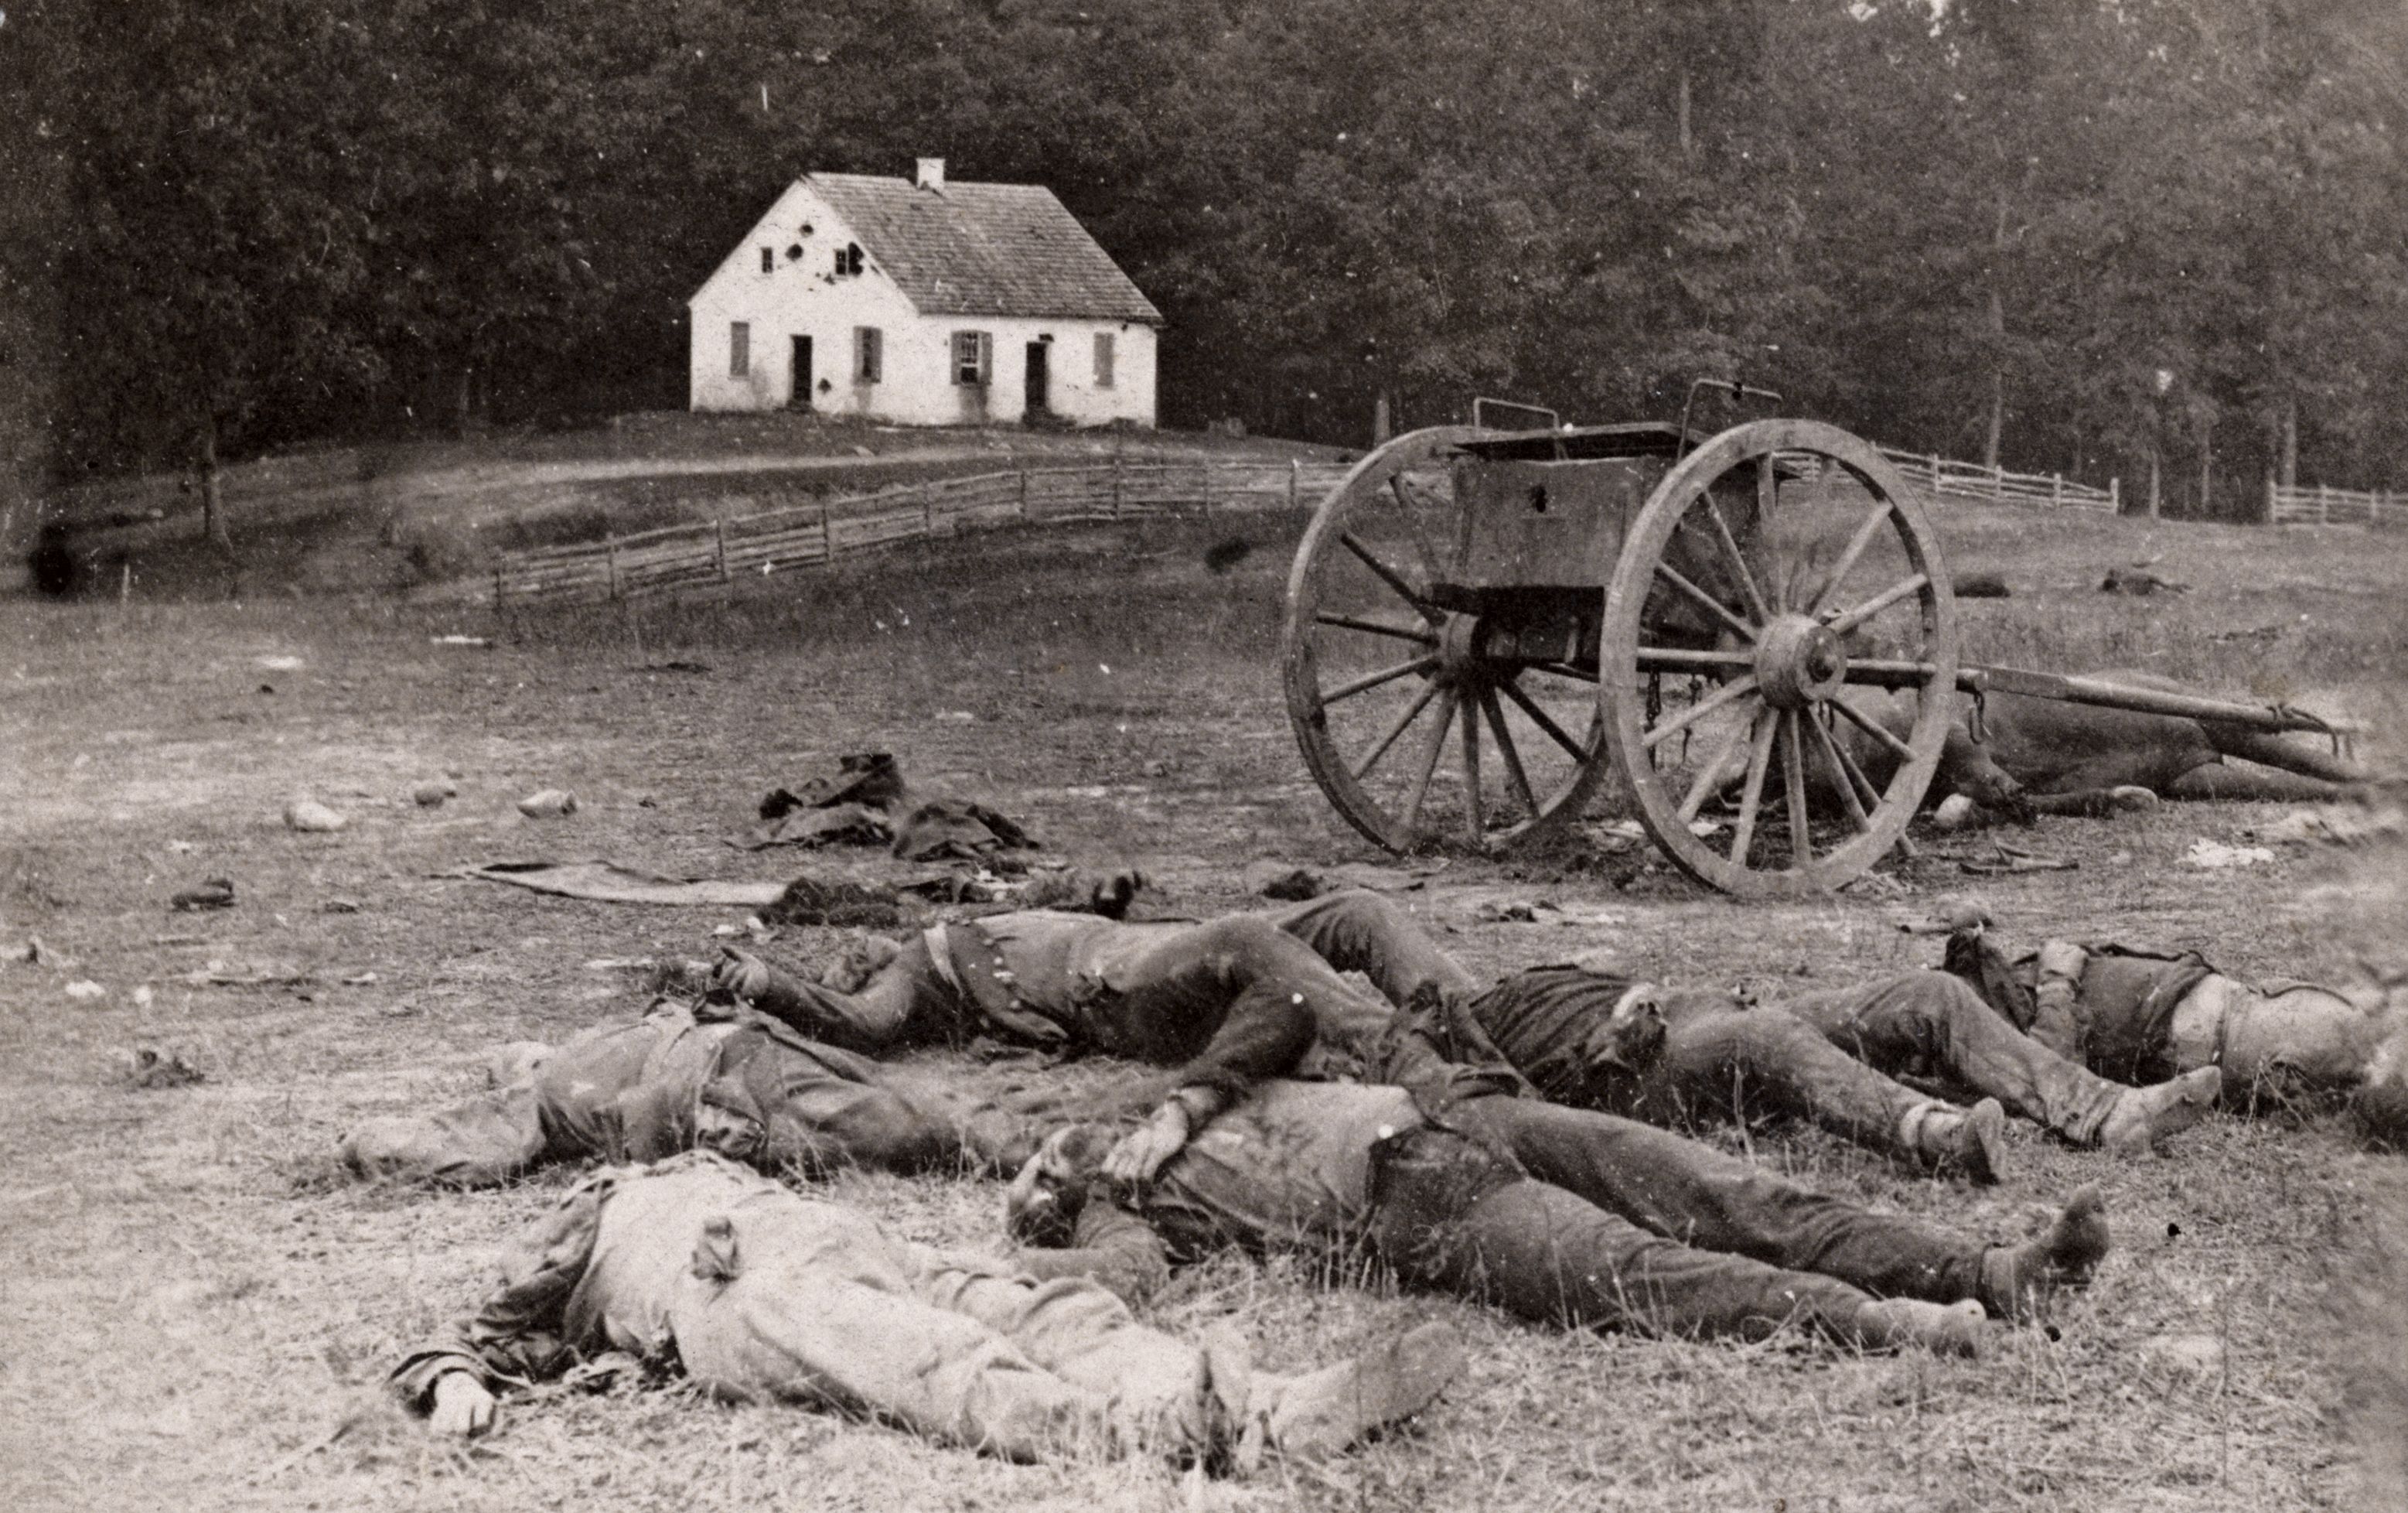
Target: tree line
{"type": "Point", "coordinates": [2088, 236]}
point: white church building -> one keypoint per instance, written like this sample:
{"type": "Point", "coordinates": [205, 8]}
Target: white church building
{"type": "Point", "coordinates": [922, 303]}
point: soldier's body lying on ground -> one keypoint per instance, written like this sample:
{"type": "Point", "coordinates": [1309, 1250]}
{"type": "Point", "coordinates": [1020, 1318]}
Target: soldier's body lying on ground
{"type": "Point", "coordinates": [757, 1293]}
{"type": "Point", "coordinates": [724, 1078]}
{"type": "Point", "coordinates": [2126, 1013]}
{"type": "Point", "coordinates": [1245, 997]}
{"type": "Point", "coordinates": [1559, 1216]}
{"type": "Point", "coordinates": [2053, 756]}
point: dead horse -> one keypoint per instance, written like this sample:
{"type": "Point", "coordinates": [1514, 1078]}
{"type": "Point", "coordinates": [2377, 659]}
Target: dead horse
{"type": "Point", "coordinates": [2065, 758]}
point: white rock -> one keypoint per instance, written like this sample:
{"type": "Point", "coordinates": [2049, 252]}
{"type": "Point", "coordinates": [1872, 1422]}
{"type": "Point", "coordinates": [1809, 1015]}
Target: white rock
{"type": "Point", "coordinates": [549, 803]}
{"type": "Point", "coordinates": [312, 817]}
{"type": "Point", "coordinates": [84, 991]}
{"type": "Point", "coordinates": [1954, 813]}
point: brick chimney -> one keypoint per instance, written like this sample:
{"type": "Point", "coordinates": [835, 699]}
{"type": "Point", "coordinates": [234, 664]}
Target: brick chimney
{"type": "Point", "coordinates": [931, 173]}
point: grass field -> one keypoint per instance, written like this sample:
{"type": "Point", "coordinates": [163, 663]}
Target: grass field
{"type": "Point", "coordinates": [193, 1298]}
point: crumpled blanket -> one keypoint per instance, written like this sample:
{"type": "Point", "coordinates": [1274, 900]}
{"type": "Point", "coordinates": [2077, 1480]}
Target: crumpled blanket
{"type": "Point", "coordinates": [865, 801]}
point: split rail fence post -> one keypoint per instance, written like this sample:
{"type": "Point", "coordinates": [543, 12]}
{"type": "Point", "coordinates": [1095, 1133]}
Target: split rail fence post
{"type": "Point", "coordinates": [611, 562]}
{"type": "Point", "coordinates": [719, 542]}
{"type": "Point", "coordinates": [2115, 495]}
{"type": "Point", "coordinates": [1208, 488]}
{"type": "Point", "coordinates": [929, 512]}
{"type": "Point", "coordinates": [2056, 491]}
{"type": "Point", "coordinates": [1116, 485]}
{"type": "Point", "coordinates": [1293, 469]}
{"type": "Point", "coordinates": [497, 588]}
{"type": "Point", "coordinates": [1023, 494]}
{"type": "Point", "coordinates": [827, 535]}
{"type": "Point", "coordinates": [2324, 504]}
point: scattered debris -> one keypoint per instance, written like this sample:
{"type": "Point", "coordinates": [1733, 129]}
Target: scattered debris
{"type": "Point", "coordinates": [841, 824]}
{"type": "Point", "coordinates": [1875, 886]}
{"type": "Point", "coordinates": [1296, 883]}
{"type": "Point", "coordinates": [2337, 824]}
{"type": "Point", "coordinates": [606, 882]}
{"type": "Point", "coordinates": [84, 991]}
{"type": "Point", "coordinates": [2138, 584]}
{"type": "Point", "coordinates": [215, 893]}
{"type": "Point", "coordinates": [1981, 585]}
{"type": "Point", "coordinates": [431, 795]}
{"type": "Point", "coordinates": [622, 963]}
{"type": "Point", "coordinates": [311, 817]}
{"type": "Point", "coordinates": [463, 640]}
{"type": "Point", "coordinates": [278, 664]}
{"type": "Point", "coordinates": [867, 778]}
{"type": "Point", "coordinates": [1506, 912]}
{"type": "Point", "coordinates": [1223, 554]}
{"type": "Point", "coordinates": [811, 901]}
{"type": "Point", "coordinates": [2256, 635]}
{"type": "Point", "coordinates": [958, 829]}
{"type": "Point", "coordinates": [2217, 855]}
{"type": "Point", "coordinates": [339, 906]}
{"type": "Point", "coordinates": [1949, 914]}
{"type": "Point", "coordinates": [33, 954]}
{"type": "Point", "coordinates": [955, 716]}
{"type": "Point", "coordinates": [361, 979]}
{"type": "Point", "coordinates": [2005, 859]}
{"type": "Point", "coordinates": [182, 848]}
{"type": "Point", "coordinates": [675, 664]}
{"type": "Point", "coordinates": [151, 1067]}
{"type": "Point", "coordinates": [547, 803]}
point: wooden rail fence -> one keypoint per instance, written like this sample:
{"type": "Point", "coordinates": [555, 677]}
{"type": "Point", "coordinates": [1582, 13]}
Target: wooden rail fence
{"type": "Point", "coordinates": [714, 552]}
{"type": "Point", "coordinates": [1944, 478]}
{"type": "Point", "coordinates": [2316, 505]}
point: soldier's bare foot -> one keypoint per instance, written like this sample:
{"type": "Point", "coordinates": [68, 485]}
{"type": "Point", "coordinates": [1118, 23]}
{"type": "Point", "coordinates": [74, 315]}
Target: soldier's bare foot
{"type": "Point", "coordinates": [2020, 1281]}
{"type": "Point", "coordinates": [1324, 1413]}
{"type": "Point", "coordinates": [1941, 1327]}
{"type": "Point", "coordinates": [2146, 1115]}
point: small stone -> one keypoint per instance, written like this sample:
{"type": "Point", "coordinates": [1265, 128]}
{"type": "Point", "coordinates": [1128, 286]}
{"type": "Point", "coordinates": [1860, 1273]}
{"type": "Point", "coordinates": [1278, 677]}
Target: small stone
{"type": "Point", "coordinates": [431, 795]}
{"type": "Point", "coordinates": [2184, 1355]}
{"type": "Point", "coordinates": [1954, 813]}
{"type": "Point", "coordinates": [549, 803]}
{"type": "Point", "coordinates": [311, 817]}
{"type": "Point", "coordinates": [84, 991]}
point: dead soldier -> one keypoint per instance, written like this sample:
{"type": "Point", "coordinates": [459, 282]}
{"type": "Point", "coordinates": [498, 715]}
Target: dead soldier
{"type": "Point", "coordinates": [756, 1293]}
{"type": "Point", "coordinates": [1662, 1236]}
{"type": "Point", "coordinates": [731, 1080]}
{"type": "Point", "coordinates": [2127, 1013]}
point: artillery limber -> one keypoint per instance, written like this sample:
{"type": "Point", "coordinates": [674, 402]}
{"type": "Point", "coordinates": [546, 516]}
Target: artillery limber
{"type": "Point", "coordinates": [1484, 621]}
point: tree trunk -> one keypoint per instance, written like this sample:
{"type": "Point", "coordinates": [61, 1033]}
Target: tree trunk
{"type": "Point", "coordinates": [2206, 469]}
{"type": "Point", "coordinates": [213, 526]}
{"type": "Point", "coordinates": [2291, 442]}
{"type": "Point", "coordinates": [2156, 485]}
{"type": "Point", "coordinates": [1998, 339]}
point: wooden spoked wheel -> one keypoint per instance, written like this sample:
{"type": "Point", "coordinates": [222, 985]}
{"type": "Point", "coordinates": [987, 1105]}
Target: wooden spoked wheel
{"type": "Point", "coordinates": [1779, 592]}
{"type": "Point", "coordinates": [1412, 720]}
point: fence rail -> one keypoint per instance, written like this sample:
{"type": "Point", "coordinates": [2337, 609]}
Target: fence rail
{"type": "Point", "coordinates": [713, 552]}
{"type": "Point", "coordinates": [1942, 477]}
{"type": "Point", "coordinates": [2316, 505]}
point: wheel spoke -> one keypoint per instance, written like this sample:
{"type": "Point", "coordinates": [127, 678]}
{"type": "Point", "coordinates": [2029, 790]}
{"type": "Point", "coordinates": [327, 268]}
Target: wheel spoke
{"type": "Point", "coordinates": [1512, 758]}
{"type": "Point", "coordinates": [1752, 794]}
{"type": "Point", "coordinates": [1844, 774]}
{"type": "Point", "coordinates": [1703, 783]}
{"type": "Point", "coordinates": [1429, 691]}
{"type": "Point", "coordinates": [1842, 624]}
{"type": "Point", "coordinates": [1372, 679]}
{"type": "Point", "coordinates": [1874, 728]}
{"type": "Point", "coordinates": [1736, 688]}
{"type": "Point", "coordinates": [1375, 627]}
{"type": "Point", "coordinates": [1539, 718]}
{"type": "Point", "coordinates": [1793, 774]}
{"type": "Point", "coordinates": [1387, 574]}
{"type": "Point", "coordinates": [1707, 601]}
{"type": "Point", "coordinates": [1430, 754]}
{"type": "Point", "coordinates": [1475, 827]}
{"type": "Point", "coordinates": [1857, 545]}
{"type": "Point", "coordinates": [1730, 545]}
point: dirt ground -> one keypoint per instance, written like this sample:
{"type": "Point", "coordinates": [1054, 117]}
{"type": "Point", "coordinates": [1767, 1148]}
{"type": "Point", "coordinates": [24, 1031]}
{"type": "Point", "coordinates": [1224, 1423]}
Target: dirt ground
{"type": "Point", "coordinates": [196, 1300]}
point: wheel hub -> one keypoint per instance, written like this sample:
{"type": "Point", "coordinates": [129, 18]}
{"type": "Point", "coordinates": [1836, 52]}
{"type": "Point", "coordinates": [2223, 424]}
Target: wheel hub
{"type": "Point", "coordinates": [1460, 658]}
{"type": "Point", "coordinates": [1799, 662]}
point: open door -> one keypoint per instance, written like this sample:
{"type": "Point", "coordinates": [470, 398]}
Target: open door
{"type": "Point", "coordinates": [1037, 375]}
{"type": "Point", "coordinates": [799, 397]}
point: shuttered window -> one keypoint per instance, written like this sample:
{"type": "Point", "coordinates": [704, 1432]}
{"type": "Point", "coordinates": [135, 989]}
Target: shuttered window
{"type": "Point", "coordinates": [740, 349]}
{"type": "Point", "coordinates": [869, 354]}
{"type": "Point", "coordinates": [1103, 359]}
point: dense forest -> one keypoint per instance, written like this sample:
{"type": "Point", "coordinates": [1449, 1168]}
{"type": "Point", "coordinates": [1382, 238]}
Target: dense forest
{"type": "Point", "coordinates": [2064, 234]}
